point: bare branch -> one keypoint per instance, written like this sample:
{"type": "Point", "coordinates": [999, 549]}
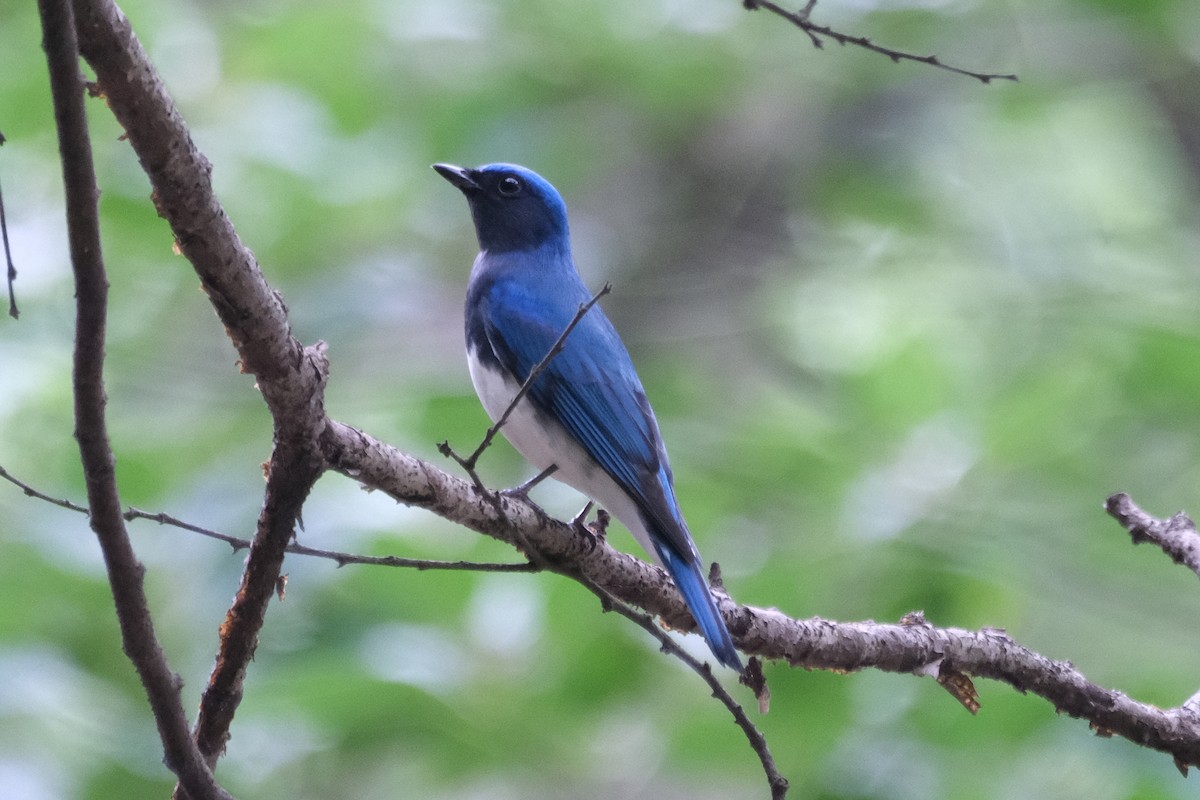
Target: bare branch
{"type": "Point", "coordinates": [801, 19]}
{"type": "Point", "coordinates": [341, 559]}
{"type": "Point", "coordinates": [32, 492]}
{"type": "Point", "coordinates": [1177, 536]}
{"type": "Point", "coordinates": [125, 573]}
{"type": "Point", "coordinates": [291, 473]}
{"type": "Point", "coordinates": [815, 643]}
{"type": "Point", "coordinates": [12, 269]}
{"type": "Point", "coordinates": [775, 780]}
{"type": "Point", "coordinates": [290, 376]}
{"type": "Point", "coordinates": [236, 543]}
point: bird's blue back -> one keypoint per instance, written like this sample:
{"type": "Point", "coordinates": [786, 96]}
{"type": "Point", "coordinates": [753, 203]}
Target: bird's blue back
{"type": "Point", "coordinates": [523, 293]}
{"type": "Point", "coordinates": [518, 305]}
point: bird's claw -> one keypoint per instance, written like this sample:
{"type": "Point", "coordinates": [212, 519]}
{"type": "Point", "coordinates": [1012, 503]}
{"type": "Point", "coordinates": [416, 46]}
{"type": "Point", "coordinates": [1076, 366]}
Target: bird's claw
{"type": "Point", "coordinates": [594, 533]}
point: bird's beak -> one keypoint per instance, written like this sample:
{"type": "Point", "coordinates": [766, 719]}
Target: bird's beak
{"type": "Point", "coordinates": [458, 176]}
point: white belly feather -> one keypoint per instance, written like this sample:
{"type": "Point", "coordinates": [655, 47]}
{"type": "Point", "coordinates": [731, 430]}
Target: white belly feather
{"type": "Point", "coordinates": [543, 441]}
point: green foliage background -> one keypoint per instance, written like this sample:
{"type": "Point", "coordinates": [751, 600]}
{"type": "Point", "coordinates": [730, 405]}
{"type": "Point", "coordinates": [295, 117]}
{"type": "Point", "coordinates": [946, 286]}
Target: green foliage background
{"type": "Point", "coordinates": [904, 333]}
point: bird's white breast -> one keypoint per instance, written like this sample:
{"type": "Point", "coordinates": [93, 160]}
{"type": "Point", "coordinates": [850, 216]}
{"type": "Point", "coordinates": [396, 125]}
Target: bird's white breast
{"type": "Point", "coordinates": [543, 441]}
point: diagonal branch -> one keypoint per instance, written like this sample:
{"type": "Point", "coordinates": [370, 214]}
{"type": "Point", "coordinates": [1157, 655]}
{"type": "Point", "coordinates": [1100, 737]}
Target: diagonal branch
{"type": "Point", "coordinates": [292, 471]}
{"type": "Point", "coordinates": [776, 783]}
{"type": "Point", "coordinates": [32, 492]}
{"type": "Point", "coordinates": [340, 558]}
{"type": "Point", "coordinates": [91, 292]}
{"type": "Point", "coordinates": [907, 647]}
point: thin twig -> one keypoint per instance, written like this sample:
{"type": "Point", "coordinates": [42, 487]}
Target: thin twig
{"type": "Point", "coordinates": [32, 492]}
{"type": "Point", "coordinates": [342, 559]}
{"type": "Point", "coordinates": [470, 461]}
{"type": "Point", "coordinates": [801, 19]}
{"type": "Point", "coordinates": [237, 544]}
{"type": "Point", "coordinates": [125, 573]}
{"type": "Point", "coordinates": [758, 743]}
{"type": "Point", "coordinates": [12, 270]}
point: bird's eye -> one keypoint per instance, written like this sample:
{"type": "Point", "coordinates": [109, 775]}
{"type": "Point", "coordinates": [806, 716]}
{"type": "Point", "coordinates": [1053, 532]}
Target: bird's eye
{"type": "Point", "coordinates": [509, 186]}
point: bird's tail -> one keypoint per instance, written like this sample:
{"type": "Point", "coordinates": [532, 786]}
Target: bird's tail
{"type": "Point", "coordinates": [692, 585]}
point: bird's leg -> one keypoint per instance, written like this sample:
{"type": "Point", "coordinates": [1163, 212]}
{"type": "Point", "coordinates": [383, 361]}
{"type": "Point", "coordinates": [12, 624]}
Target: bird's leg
{"type": "Point", "coordinates": [522, 492]}
{"type": "Point", "coordinates": [582, 515]}
{"type": "Point", "coordinates": [594, 532]}
{"type": "Point", "coordinates": [578, 525]}
{"type": "Point", "coordinates": [600, 526]}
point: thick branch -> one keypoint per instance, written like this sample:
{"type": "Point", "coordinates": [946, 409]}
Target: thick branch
{"type": "Point", "coordinates": [290, 376]}
{"type": "Point", "coordinates": [91, 292]}
{"type": "Point", "coordinates": [254, 315]}
{"type": "Point", "coordinates": [814, 643]}
{"type": "Point", "coordinates": [291, 473]}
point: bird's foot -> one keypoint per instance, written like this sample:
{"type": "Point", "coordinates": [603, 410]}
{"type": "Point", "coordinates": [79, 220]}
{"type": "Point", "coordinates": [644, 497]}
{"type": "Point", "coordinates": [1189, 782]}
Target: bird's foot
{"type": "Point", "coordinates": [522, 492]}
{"type": "Point", "coordinates": [581, 517]}
{"type": "Point", "coordinates": [579, 524]}
{"type": "Point", "coordinates": [594, 532]}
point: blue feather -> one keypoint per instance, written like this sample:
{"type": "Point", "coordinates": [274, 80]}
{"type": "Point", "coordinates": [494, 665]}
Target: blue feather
{"type": "Point", "coordinates": [587, 411]}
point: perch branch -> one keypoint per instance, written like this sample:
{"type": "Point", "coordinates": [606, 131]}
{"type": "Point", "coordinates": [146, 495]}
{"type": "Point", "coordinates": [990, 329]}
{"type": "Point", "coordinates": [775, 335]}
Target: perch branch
{"type": "Point", "coordinates": [813, 643]}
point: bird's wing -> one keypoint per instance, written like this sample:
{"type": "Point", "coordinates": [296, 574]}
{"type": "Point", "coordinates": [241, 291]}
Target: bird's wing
{"type": "Point", "coordinates": [592, 389]}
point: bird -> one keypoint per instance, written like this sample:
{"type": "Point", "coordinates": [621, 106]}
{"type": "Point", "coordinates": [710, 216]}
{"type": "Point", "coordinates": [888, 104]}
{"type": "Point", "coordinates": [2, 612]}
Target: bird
{"type": "Point", "coordinates": [585, 419]}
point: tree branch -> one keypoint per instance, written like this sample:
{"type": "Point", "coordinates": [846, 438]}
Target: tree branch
{"type": "Point", "coordinates": [802, 20]}
{"type": "Point", "coordinates": [912, 646]}
{"type": "Point", "coordinates": [338, 557]}
{"type": "Point", "coordinates": [1177, 536]}
{"type": "Point", "coordinates": [125, 573]}
{"type": "Point", "coordinates": [909, 647]}
{"type": "Point", "coordinates": [290, 376]}
{"type": "Point", "coordinates": [776, 783]}
{"type": "Point", "coordinates": [12, 269]}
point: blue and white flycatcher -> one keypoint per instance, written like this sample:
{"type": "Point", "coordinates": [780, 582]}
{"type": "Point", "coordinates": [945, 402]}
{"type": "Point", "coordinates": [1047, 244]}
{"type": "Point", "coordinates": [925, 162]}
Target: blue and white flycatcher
{"type": "Point", "coordinates": [586, 414]}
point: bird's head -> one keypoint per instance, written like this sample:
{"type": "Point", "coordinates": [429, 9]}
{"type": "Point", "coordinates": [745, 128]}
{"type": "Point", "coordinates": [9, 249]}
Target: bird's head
{"type": "Point", "coordinates": [514, 208]}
